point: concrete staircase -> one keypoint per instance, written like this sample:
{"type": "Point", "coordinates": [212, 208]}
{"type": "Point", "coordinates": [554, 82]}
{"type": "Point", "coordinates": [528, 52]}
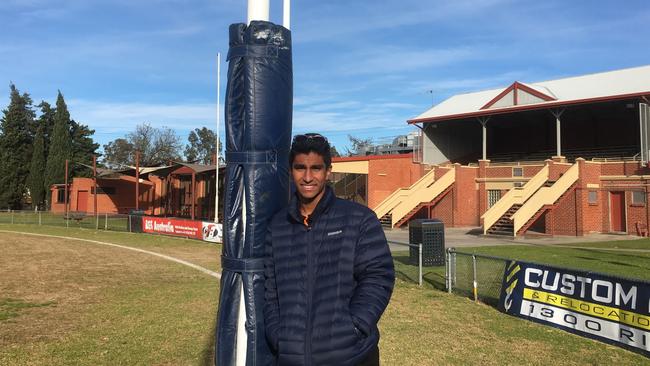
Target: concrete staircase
{"type": "Point", "coordinates": [504, 226]}
{"type": "Point", "coordinates": [405, 202]}
{"type": "Point", "coordinates": [515, 212]}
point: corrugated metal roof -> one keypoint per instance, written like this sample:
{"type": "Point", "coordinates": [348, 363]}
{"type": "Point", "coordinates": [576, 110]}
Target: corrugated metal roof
{"type": "Point", "coordinates": [586, 88]}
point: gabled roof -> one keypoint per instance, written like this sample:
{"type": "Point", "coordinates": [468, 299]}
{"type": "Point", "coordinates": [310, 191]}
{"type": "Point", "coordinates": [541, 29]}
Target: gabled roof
{"type": "Point", "coordinates": [518, 94]}
{"type": "Point", "coordinates": [612, 85]}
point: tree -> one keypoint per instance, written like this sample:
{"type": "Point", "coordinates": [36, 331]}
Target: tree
{"type": "Point", "coordinates": [35, 180]}
{"type": "Point", "coordinates": [83, 148]}
{"type": "Point", "coordinates": [157, 146]}
{"type": "Point", "coordinates": [118, 153]}
{"type": "Point", "coordinates": [334, 152]}
{"type": "Point", "coordinates": [359, 146]}
{"type": "Point", "coordinates": [202, 145]}
{"type": "Point", "coordinates": [60, 146]}
{"type": "Point", "coordinates": [15, 148]}
{"type": "Point", "coordinates": [46, 119]}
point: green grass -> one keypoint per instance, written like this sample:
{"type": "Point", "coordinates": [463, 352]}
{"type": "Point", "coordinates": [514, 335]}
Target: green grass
{"type": "Point", "coordinates": [113, 306]}
{"type": "Point", "coordinates": [103, 222]}
{"type": "Point", "coordinates": [11, 308]}
{"type": "Point", "coordinates": [643, 244]}
{"type": "Point", "coordinates": [622, 263]}
{"type": "Point", "coordinates": [203, 253]}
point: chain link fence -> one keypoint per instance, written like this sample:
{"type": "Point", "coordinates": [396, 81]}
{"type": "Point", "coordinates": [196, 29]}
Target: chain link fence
{"type": "Point", "coordinates": [103, 221]}
{"type": "Point", "coordinates": [478, 277]}
{"type": "Point", "coordinates": [406, 267]}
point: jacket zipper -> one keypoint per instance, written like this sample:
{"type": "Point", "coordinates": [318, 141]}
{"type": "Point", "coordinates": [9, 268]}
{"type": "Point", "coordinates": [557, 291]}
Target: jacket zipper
{"type": "Point", "coordinates": [309, 296]}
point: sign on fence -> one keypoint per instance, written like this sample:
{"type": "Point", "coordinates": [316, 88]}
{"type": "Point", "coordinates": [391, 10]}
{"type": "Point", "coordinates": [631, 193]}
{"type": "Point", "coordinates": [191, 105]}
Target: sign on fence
{"type": "Point", "coordinates": [610, 309]}
{"type": "Point", "coordinates": [212, 231]}
{"type": "Point", "coordinates": [186, 228]}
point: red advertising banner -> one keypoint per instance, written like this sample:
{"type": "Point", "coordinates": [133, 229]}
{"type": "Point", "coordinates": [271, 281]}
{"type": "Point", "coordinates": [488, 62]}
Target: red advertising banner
{"type": "Point", "coordinates": [165, 226]}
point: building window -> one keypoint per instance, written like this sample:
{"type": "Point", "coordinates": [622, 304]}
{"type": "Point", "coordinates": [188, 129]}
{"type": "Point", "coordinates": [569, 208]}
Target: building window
{"type": "Point", "coordinates": [638, 198]}
{"type": "Point", "coordinates": [60, 195]}
{"type": "Point", "coordinates": [592, 197]}
{"type": "Point", "coordinates": [493, 196]}
{"type": "Point", "coordinates": [517, 172]}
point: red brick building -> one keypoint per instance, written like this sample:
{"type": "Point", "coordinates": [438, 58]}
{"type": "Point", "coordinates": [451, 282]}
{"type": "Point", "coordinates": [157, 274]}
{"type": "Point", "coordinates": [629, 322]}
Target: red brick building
{"type": "Point", "coordinates": [179, 190]}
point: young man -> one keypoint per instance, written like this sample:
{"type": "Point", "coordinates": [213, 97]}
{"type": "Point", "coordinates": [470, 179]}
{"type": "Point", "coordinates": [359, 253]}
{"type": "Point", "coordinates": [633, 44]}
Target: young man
{"type": "Point", "coordinates": [329, 273]}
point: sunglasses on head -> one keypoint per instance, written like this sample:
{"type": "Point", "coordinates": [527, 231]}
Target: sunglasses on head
{"type": "Point", "coordinates": [309, 136]}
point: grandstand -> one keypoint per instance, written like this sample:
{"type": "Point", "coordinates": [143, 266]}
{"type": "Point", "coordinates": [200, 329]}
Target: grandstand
{"type": "Point", "coordinates": [559, 157]}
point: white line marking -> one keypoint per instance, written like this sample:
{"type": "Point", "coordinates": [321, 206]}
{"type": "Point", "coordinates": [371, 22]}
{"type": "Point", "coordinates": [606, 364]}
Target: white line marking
{"type": "Point", "coordinates": [185, 263]}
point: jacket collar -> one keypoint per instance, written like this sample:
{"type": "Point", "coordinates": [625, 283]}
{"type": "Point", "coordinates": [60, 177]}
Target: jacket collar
{"type": "Point", "coordinates": [322, 206]}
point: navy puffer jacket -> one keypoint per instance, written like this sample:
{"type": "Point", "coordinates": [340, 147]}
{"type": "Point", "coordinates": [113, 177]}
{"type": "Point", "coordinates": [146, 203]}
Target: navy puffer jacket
{"type": "Point", "coordinates": [327, 284]}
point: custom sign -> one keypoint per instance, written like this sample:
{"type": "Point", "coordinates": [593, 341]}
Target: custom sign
{"type": "Point", "coordinates": [212, 232]}
{"type": "Point", "coordinates": [175, 227]}
{"type": "Point", "coordinates": [610, 309]}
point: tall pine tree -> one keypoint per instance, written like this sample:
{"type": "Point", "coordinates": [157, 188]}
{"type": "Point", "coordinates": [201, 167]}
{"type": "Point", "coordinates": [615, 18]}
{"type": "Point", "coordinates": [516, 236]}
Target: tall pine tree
{"type": "Point", "coordinates": [46, 119]}
{"type": "Point", "coordinates": [15, 149]}
{"type": "Point", "coordinates": [60, 146]}
{"type": "Point", "coordinates": [37, 169]}
{"type": "Point", "coordinates": [83, 148]}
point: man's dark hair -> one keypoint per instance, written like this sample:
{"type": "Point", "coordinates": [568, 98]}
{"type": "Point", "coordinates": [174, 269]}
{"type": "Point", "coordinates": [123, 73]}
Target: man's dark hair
{"type": "Point", "coordinates": [311, 142]}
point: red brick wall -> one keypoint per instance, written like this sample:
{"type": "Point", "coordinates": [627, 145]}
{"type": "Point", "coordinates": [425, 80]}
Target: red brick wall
{"type": "Point", "coordinates": [623, 168]}
{"type": "Point", "coordinates": [387, 175]}
{"type": "Point", "coordinates": [466, 197]}
{"type": "Point", "coordinates": [121, 202]}
{"type": "Point", "coordinates": [498, 172]}
{"type": "Point", "coordinates": [444, 210]}
{"type": "Point", "coordinates": [562, 219]}
{"type": "Point", "coordinates": [635, 213]}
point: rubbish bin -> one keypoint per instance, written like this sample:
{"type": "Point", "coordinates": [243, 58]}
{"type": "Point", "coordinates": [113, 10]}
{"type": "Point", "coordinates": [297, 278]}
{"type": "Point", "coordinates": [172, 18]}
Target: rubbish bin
{"type": "Point", "coordinates": [135, 221]}
{"type": "Point", "coordinates": [431, 233]}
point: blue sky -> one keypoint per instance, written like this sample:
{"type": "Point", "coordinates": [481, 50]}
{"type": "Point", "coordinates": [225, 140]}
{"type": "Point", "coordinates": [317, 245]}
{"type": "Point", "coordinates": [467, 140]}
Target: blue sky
{"type": "Point", "coordinates": [360, 67]}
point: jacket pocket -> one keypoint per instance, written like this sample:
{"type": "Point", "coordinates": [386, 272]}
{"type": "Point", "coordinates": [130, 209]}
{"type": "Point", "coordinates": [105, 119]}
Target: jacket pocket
{"type": "Point", "coordinates": [291, 347]}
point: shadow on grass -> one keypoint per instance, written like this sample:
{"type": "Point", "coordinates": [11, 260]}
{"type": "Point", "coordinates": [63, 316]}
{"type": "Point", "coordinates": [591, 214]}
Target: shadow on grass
{"type": "Point", "coordinates": [431, 276]}
{"type": "Point", "coordinates": [207, 356]}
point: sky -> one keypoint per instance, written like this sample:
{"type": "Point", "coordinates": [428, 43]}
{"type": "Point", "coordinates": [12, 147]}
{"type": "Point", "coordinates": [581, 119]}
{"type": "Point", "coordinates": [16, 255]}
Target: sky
{"type": "Point", "coordinates": [361, 68]}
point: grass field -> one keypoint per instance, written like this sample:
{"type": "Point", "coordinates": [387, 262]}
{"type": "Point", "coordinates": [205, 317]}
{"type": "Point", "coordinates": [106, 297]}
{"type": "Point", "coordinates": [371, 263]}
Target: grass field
{"type": "Point", "coordinates": [66, 302]}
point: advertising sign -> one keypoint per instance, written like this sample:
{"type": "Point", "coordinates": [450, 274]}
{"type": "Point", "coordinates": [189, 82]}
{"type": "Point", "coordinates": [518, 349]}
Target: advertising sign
{"type": "Point", "coordinates": [212, 231]}
{"type": "Point", "coordinates": [610, 309]}
{"type": "Point", "coordinates": [175, 227]}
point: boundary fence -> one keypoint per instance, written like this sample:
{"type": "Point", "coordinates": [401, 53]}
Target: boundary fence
{"type": "Point", "coordinates": [103, 221]}
{"type": "Point", "coordinates": [476, 276]}
{"type": "Point", "coordinates": [412, 247]}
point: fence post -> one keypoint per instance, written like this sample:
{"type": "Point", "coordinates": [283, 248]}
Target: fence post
{"type": "Point", "coordinates": [129, 223]}
{"type": "Point", "coordinates": [448, 272]}
{"type": "Point", "coordinates": [40, 220]}
{"type": "Point", "coordinates": [475, 285]}
{"type": "Point", "coordinates": [12, 216]}
{"type": "Point", "coordinates": [106, 221]}
{"type": "Point", "coordinates": [96, 222]}
{"type": "Point", "coordinates": [420, 263]}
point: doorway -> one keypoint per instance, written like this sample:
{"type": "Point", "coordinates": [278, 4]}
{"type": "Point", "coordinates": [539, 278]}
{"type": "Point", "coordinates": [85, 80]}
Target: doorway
{"type": "Point", "coordinates": [82, 201]}
{"type": "Point", "coordinates": [617, 211]}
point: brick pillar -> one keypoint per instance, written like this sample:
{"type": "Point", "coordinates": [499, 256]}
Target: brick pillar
{"type": "Point", "coordinates": [559, 159]}
{"type": "Point", "coordinates": [454, 198]}
{"type": "Point", "coordinates": [482, 193]}
{"type": "Point", "coordinates": [581, 184]}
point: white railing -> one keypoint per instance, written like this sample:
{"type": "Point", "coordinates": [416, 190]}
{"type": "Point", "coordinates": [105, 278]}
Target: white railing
{"type": "Point", "coordinates": [544, 196]}
{"type": "Point", "coordinates": [515, 196]}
